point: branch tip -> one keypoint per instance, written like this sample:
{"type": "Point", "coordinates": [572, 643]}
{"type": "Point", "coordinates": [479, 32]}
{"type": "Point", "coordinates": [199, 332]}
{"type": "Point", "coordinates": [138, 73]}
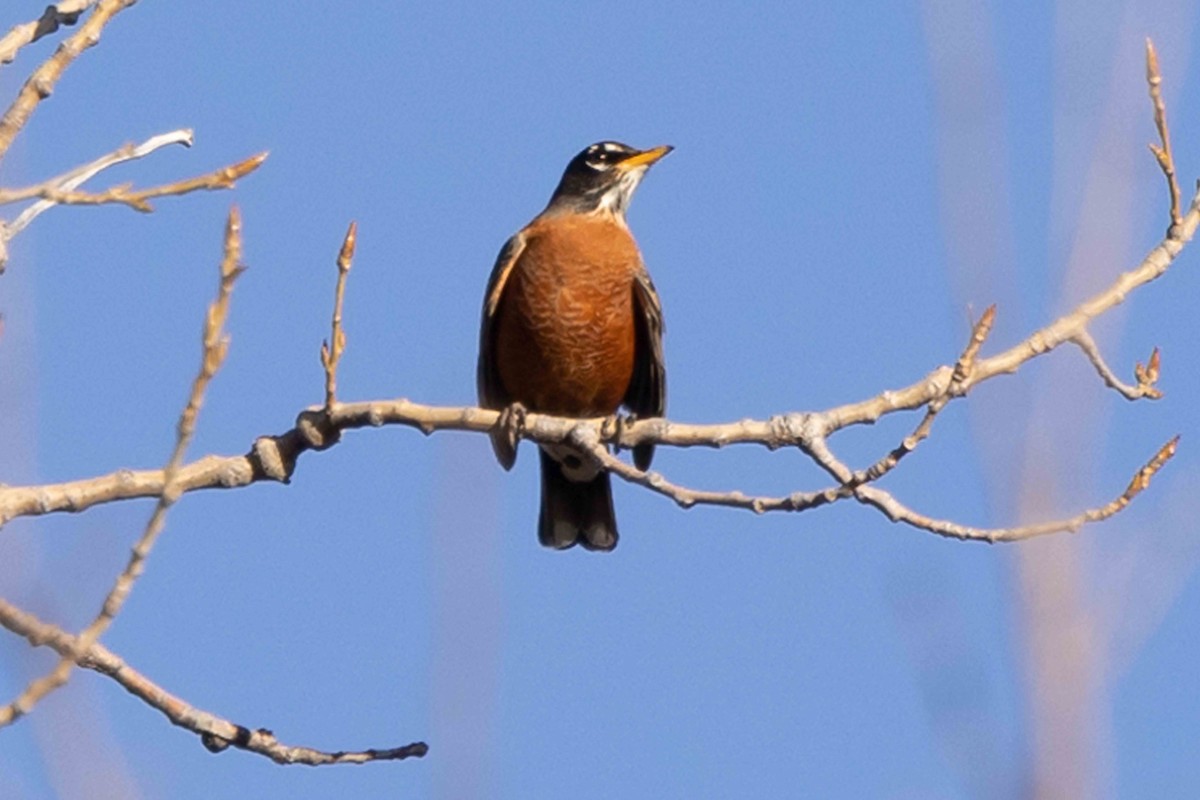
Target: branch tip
{"type": "Point", "coordinates": [1142, 478]}
{"type": "Point", "coordinates": [1162, 150]}
{"type": "Point", "coordinates": [333, 347]}
{"type": "Point", "coordinates": [346, 256]}
{"type": "Point", "coordinates": [1147, 374]}
{"type": "Point", "coordinates": [989, 315]}
{"type": "Point", "coordinates": [979, 334]}
{"type": "Point", "coordinates": [250, 164]}
{"type": "Point", "coordinates": [233, 224]}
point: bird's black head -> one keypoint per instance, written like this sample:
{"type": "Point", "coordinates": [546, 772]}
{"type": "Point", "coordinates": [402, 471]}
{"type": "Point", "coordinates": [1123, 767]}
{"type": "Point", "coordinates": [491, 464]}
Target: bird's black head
{"type": "Point", "coordinates": [603, 177]}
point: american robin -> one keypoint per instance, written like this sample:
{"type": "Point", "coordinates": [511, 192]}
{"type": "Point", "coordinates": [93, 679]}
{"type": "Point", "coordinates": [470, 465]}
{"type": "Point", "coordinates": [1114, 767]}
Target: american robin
{"type": "Point", "coordinates": [572, 326]}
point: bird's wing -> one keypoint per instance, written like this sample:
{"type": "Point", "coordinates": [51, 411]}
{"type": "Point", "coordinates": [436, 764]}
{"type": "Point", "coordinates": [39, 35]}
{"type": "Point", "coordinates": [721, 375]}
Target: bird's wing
{"type": "Point", "coordinates": [647, 393]}
{"type": "Point", "coordinates": [487, 379]}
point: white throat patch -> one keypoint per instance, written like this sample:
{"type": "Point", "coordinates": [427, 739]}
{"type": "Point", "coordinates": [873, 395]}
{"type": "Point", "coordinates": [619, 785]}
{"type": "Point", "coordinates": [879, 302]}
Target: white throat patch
{"type": "Point", "coordinates": [616, 199]}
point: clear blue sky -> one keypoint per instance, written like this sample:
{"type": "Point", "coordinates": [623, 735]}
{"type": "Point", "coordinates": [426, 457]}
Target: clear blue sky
{"type": "Point", "coordinates": [851, 183]}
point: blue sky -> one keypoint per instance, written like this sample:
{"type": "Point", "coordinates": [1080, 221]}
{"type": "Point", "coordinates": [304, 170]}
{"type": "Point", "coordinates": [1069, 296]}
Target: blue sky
{"type": "Point", "coordinates": [852, 182]}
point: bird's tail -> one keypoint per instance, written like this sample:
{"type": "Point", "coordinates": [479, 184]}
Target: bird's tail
{"type": "Point", "coordinates": [575, 512]}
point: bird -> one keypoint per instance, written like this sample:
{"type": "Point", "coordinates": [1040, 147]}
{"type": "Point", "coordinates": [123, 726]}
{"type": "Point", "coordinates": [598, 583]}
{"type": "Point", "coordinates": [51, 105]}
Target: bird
{"type": "Point", "coordinates": [572, 326]}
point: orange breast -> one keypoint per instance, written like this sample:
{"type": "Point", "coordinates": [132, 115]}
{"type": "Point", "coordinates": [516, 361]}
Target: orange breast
{"type": "Point", "coordinates": [565, 328]}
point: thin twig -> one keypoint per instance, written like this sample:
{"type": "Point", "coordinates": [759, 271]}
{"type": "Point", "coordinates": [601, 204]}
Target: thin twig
{"type": "Point", "coordinates": [215, 348]}
{"type": "Point", "coordinates": [43, 80]}
{"type": "Point", "coordinates": [331, 351]}
{"type": "Point", "coordinates": [962, 373]}
{"type": "Point", "coordinates": [587, 440]}
{"type": "Point", "coordinates": [215, 732]}
{"type": "Point", "coordinates": [64, 13]}
{"type": "Point", "coordinates": [223, 178]}
{"type": "Point", "coordinates": [898, 512]}
{"type": "Point", "coordinates": [1162, 151]}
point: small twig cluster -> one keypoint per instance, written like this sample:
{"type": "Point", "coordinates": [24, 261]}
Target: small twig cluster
{"type": "Point", "coordinates": [274, 458]}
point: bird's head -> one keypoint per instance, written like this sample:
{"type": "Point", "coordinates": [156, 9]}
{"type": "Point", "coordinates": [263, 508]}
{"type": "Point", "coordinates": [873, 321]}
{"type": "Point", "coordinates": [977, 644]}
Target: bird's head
{"type": "Point", "coordinates": [603, 176]}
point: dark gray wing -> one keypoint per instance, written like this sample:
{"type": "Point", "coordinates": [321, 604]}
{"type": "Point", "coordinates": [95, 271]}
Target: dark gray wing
{"type": "Point", "coordinates": [647, 393]}
{"type": "Point", "coordinates": [487, 378]}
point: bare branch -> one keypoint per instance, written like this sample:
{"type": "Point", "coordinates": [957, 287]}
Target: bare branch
{"type": "Point", "coordinates": [274, 458]}
{"type": "Point", "coordinates": [216, 733]}
{"type": "Point", "coordinates": [589, 442]}
{"type": "Point", "coordinates": [1162, 151]}
{"type": "Point", "coordinates": [223, 178]}
{"type": "Point", "coordinates": [43, 80]}
{"type": "Point", "coordinates": [216, 346]}
{"type": "Point", "coordinates": [331, 354]}
{"type": "Point", "coordinates": [898, 512]}
{"type": "Point", "coordinates": [73, 179]}
{"type": "Point", "coordinates": [62, 189]}
{"type": "Point", "coordinates": [64, 13]}
{"type": "Point", "coordinates": [77, 176]}
{"type": "Point", "coordinates": [586, 439]}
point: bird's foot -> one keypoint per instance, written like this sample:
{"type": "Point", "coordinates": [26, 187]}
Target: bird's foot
{"type": "Point", "coordinates": [614, 427]}
{"type": "Point", "coordinates": [512, 425]}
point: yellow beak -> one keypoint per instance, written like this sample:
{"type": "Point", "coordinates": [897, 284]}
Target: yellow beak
{"type": "Point", "coordinates": [644, 158]}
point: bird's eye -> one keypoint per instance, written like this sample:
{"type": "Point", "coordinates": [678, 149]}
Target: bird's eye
{"type": "Point", "coordinates": [603, 155]}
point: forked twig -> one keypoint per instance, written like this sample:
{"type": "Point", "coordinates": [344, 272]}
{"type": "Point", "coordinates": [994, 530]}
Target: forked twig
{"type": "Point", "coordinates": [215, 348]}
{"type": "Point", "coordinates": [77, 176]}
{"type": "Point", "coordinates": [62, 188]}
{"type": "Point", "coordinates": [1146, 375]}
{"type": "Point", "coordinates": [223, 178]}
{"type": "Point", "coordinates": [963, 369]}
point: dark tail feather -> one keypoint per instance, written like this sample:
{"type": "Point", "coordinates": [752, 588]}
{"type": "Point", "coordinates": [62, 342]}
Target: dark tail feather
{"type": "Point", "coordinates": [575, 512]}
